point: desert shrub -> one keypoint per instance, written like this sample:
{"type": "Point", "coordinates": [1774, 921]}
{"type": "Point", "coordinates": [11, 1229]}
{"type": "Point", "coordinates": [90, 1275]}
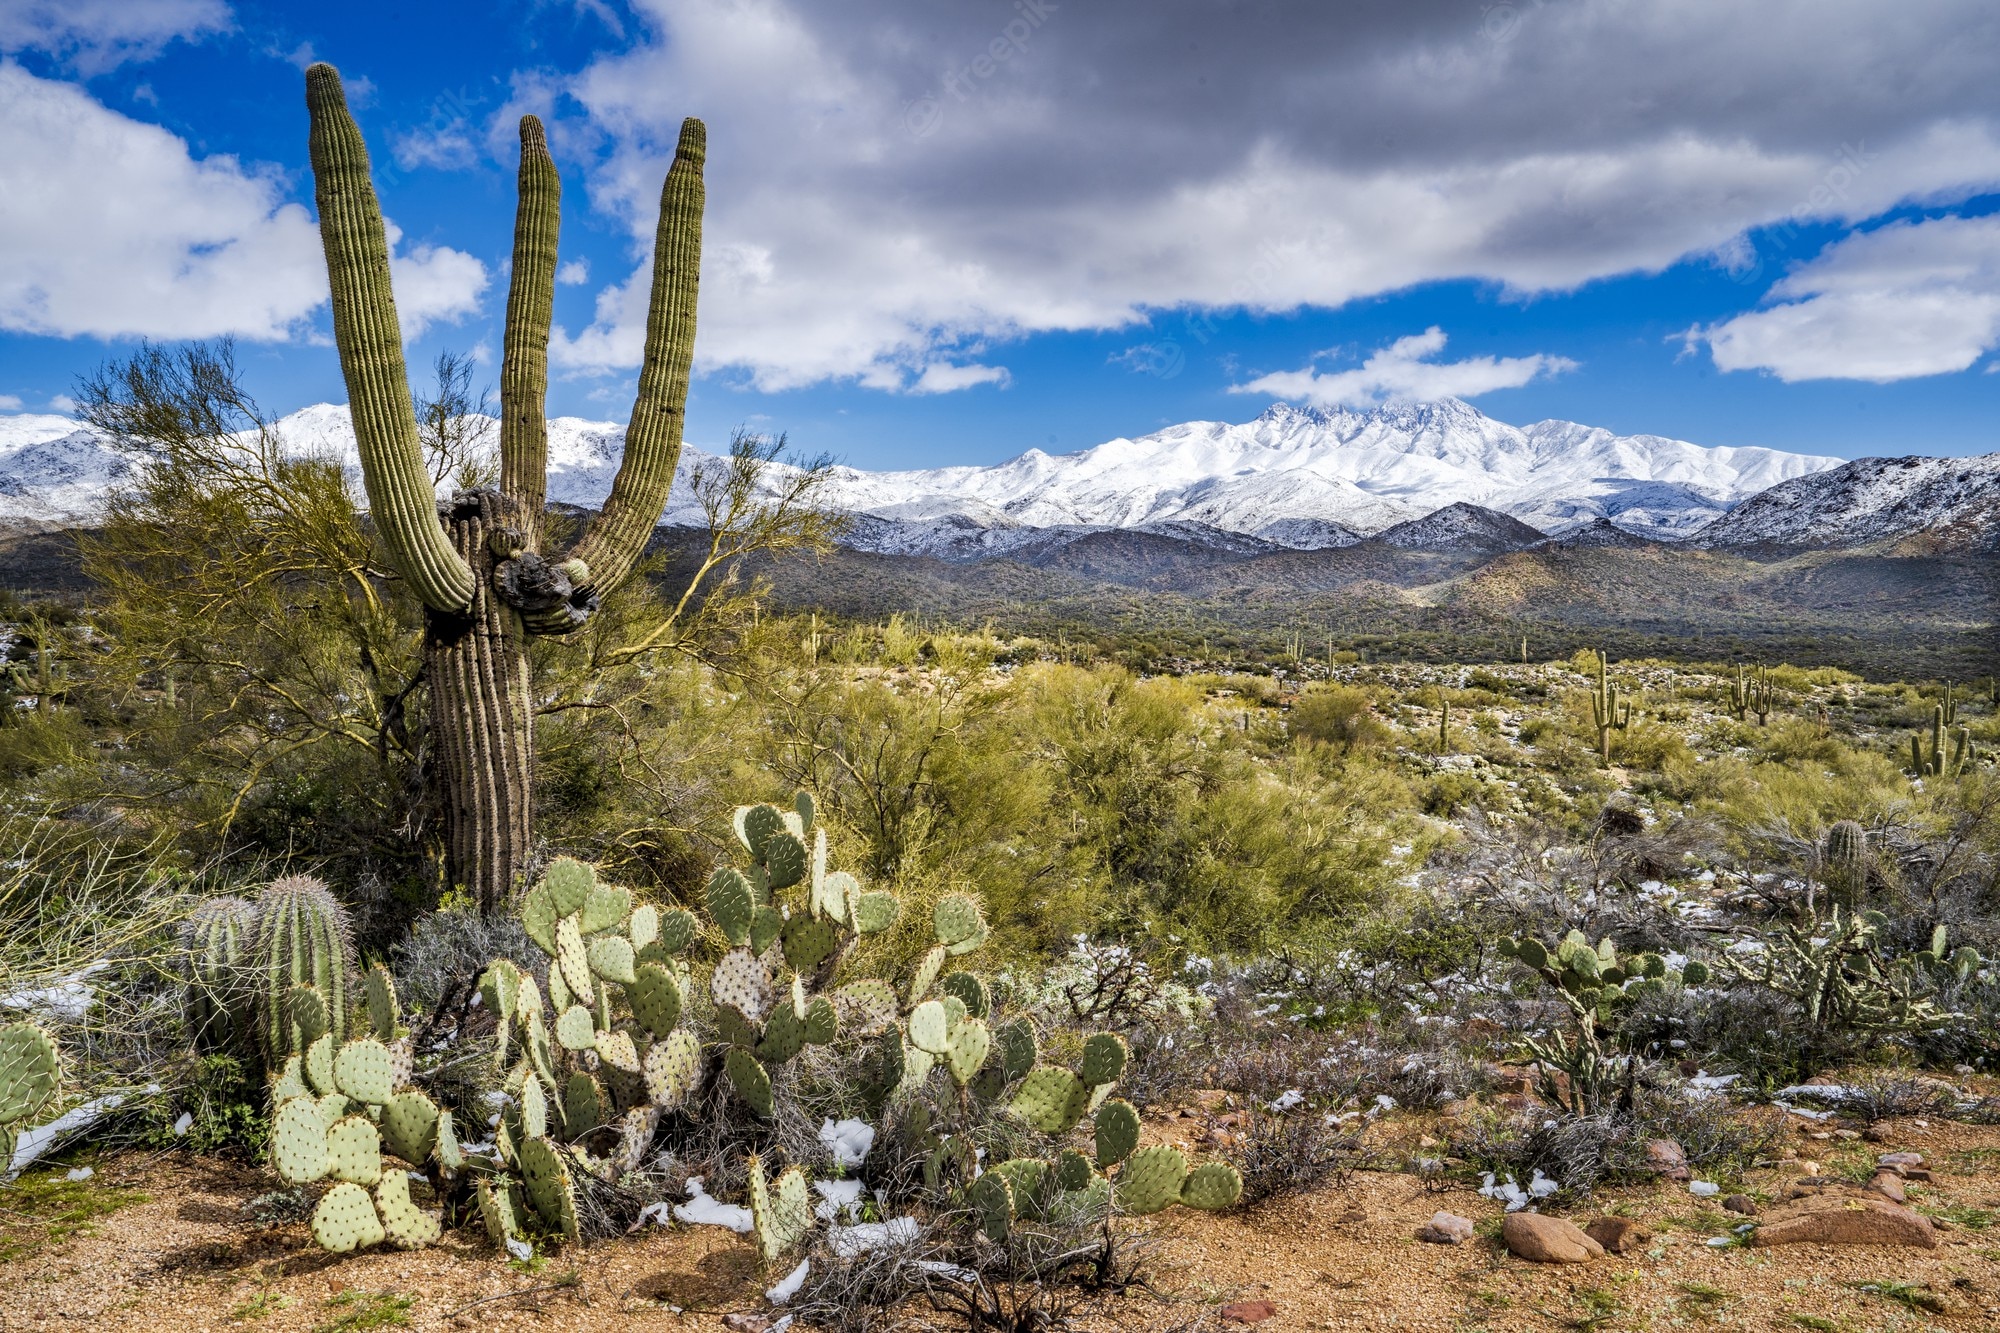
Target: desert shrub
{"type": "Point", "coordinates": [1338, 715]}
{"type": "Point", "coordinates": [1279, 1153]}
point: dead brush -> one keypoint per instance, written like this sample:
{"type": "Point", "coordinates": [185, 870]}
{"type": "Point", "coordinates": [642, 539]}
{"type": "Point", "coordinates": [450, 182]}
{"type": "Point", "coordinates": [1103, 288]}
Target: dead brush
{"type": "Point", "coordinates": [1281, 1153]}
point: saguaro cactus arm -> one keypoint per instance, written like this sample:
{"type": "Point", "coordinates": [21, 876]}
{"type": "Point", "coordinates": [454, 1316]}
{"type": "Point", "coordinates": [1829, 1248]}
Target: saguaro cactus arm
{"type": "Point", "coordinates": [524, 364]}
{"type": "Point", "coordinates": [371, 353]}
{"type": "Point", "coordinates": [653, 439]}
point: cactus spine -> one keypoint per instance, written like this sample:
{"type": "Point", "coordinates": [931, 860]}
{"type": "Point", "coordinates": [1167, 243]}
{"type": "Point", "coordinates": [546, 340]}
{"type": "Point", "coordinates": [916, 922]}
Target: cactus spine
{"type": "Point", "coordinates": [1608, 712]}
{"type": "Point", "coordinates": [215, 941]}
{"type": "Point", "coordinates": [30, 1076]}
{"type": "Point", "coordinates": [477, 566]}
{"type": "Point", "coordinates": [302, 940]}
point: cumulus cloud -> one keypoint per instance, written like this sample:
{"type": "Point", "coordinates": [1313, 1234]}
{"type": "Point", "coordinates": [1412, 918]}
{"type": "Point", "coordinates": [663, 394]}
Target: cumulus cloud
{"type": "Point", "coordinates": [1404, 371]}
{"type": "Point", "coordinates": [1902, 301]}
{"type": "Point", "coordinates": [110, 227]}
{"type": "Point", "coordinates": [96, 35]}
{"type": "Point", "coordinates": [574, 273]}
{"type": "Point", "coordinates": [886, 194]}
{"type": "Point", "coordinates": [939, 377]}
{"type": "Point", "coordinates": [10, 402]}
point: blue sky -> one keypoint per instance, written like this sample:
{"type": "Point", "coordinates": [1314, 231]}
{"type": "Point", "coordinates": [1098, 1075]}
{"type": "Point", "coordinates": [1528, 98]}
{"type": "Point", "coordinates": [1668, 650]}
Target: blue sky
{"type": "Point", "coordinates": [950, 233]}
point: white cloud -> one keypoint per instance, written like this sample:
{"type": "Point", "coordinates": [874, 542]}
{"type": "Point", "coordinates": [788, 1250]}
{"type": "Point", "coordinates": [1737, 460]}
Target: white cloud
{"type": "Point", "coordinates": [447, 148]}
{"type": "Point", "coordinates": [574, 274]}
{"type": "Point", "coordinates": [110, 227]}
{"type": "Point", "coordinates": [1101, 173]}
{"type": "Point", "coordinates": [1404, 372]}
{"type": "Point", "coordinates": [96, 35]}
{"type": "Point", "coordinates": [62, 402]}
{"type": "Point", "coordinates": [1906, 300]}
{"type": "Point", "coordinates": [10, 402]}
{"type": "Point", "coordinates": [939, 377]}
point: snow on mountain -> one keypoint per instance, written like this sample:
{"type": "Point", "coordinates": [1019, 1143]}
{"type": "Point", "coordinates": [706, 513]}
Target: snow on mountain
{"type": "Point", "coordinates": [1293, 477]}
{"type": "Point", "coordinates": [1868, 500]}
{"type": "Point", "coordinates": [1461, 527]}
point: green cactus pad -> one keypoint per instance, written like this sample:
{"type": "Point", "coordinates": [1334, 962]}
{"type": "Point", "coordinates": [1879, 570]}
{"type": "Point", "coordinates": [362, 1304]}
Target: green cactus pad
{"type": "Point", "coordinates": [678, 928]}
{"type": "Point", "coordinates": [917, 1066]}
{"type": "Point", "coordinates": [500, 988]}
{"type": "Point", "coordinates": [354, 1149]}
{"type": "Point", "coordinates": [584, 1105]}
{"type": "Point", "coordinates": [866, 1007]}
{"type": "Point", "coordinates": [1533, 954]}
{"type": "Point", "coordinates": [1117, 1135]}
{"type": "Point", "coordinates": [829, 899]}
{"type": "Point", "coordinates": [822, 1022]}
{"type": "Point", "coordinates": [954, 1011]}
{"type": "Point", "coordinates": [958, 923]}
{"type": "Point", "coordinates": [735, 1029]}
{"type": "Point", "coordinates": [743, 982]}
{"type": "Point", "coordinates": [298, 1142]}
{"type": "Point", "coordinates": [611, 958]}
{"type": "Point", "coordinates": [655, 997]}
{"type": "Point", "coordinates": [499, 1208]}
{"type": "Point", "coordinates": [569, 882]}
{"type": "Point", "coordinates": [966, 1050]}
{"type": "Point", "coordinates": [534, 1107]}
{"type": "Point", "coordinates": [1024, 1177]}
{"type": "Point", "coordinates": [576, 1029]}
{"type": "Point", "coordinates": [784, 860]}
{"type": "Point", "coordinates": [308, 1010]}
{"type": "Point", "coordinates": [333, 1106]}
{"type": "Point", "coordinates": [616, 1049]}
{"type": "Point", "coordinates": [385, 1016]}
{"type": "Point", "coordinates": [780, 1211]}
{"type": "Point", "coordinates": [363, 1071]}
{"type": "Point", "coordinates": [1212, 1186]}
{"type": "Point", "coordinates": [546, 1182]}
{"type": "Point", "coordinates": [402, 1061]}
{"type": "Point", "coordinates": [317, 1065]}
{"type": "Point", "coordinates": [731, 903]}
{"type": "Point", "coordinates": [672, 1070]}
{"type": "Point", "coordinates": [930, 1027]}
{"type": "Point", "coordinates": [807, 808]}
{"type": "Point", "coordinates": [1104, 1056]}
{"type": "Point", "coordinates": [406, 1226]}
{"type": "Point", "coordinates": [450, 1155]}
{"type": "Point", "coordinates": [573, 961]}
{"type": "Point", "coordinates": [755, 824]}
{"type": "Point", "coordinates": [528, 1003]}
{"type": "Point", "coordinates": [540, 1055]}
{"type": "Point", "coordinates": [1694, 973]}
{"type": "Point", "coordinates": [345, 1220]}
{"type": "Point", "coordinates": [604, 909]}
{"type": "Point", "coordinates": [1051, 1099]}
{"type": "Point", "coordinates": [991, 1199]}
{"type": "Point", "coordinates": [1018, 1048]}
{"type": "Point", "coordinates": [750, 1079]}
{"type": "Point", "coordinates": [539, 916]}
{"type": "Point", "coordinates": [287, 1083]}
{"type": "Point", "coordinates": [809, 942]}
{"type": "Point", "coordinates": [410, 1127]}
{"type": "Point", "coordinates": [1074, 1171]}
{"type": "Point", "coordinates": [926, 973]}
{"type": "Point", "coordinates": [560, 997]}
{"type": "Point", "coordinates": [766, 924]}
{"type": "Point", "coordinates": [969, 991]}
{"type": "Point", "coordinates": [1151, 1180]}
{"type": "Point", "coordinates": [875, 912]}
{"type": "Point", "coordinates": [784, 1034]}
{"type": "Point", "coordinates": [644, 927]}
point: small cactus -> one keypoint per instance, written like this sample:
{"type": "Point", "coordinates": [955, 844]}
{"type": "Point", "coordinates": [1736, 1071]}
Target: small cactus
{"type": "Point", "coordinates": [301, 939]}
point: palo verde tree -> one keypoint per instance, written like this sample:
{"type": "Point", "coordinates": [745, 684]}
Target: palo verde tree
{"type": "Point", "coordinates": [476, 562]}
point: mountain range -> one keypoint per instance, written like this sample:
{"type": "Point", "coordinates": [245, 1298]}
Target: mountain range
{"type": "Point", "coordinates": [1432, 475]}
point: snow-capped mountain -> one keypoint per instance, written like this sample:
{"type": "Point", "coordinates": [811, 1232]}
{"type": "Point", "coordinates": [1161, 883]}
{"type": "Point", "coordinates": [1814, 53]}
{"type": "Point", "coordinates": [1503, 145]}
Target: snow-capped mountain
{"type": "Point", "coordinates": [1293, 477]}
{"type": "Point", "coordinates": [1868, 500]}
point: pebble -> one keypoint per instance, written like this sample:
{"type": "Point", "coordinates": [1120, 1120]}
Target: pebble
{"type": "Point", "coordinates": [1446, 1229]}
{"type": "Point", "coordinates": [1248, 1312]}
{"type": "Point", "coordinates": [1740, 1203]}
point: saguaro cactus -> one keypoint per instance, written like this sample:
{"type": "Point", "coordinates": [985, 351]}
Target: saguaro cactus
{"type": "Point", "coordinates": [476, 563]}
{"type": "Point", "coordinates": [1607, 711]}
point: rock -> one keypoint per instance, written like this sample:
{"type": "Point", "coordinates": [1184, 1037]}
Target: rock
{"type": "Point", "coordinates": [1846, 1220]}
{"type": "Point", "coordinates": [1548, 1240]}
{"type": "Point", "coordinates": [1619, 1235]}
{"type": "Point", "coordinates": [1664, 1158]}
{"type": "Point", "coordinates": [1248, 1312]}
{"type": "Point", "coordinates": [1877, 1133]}
{"type": "Point", "coordinates": [1904, 1159]}
{"type": "Point", "coordinates": [1847, 1135]}
{"type": "Point", "coordinates": [1446, 1229]}
{"type": "Point", "coordinates": [1915, 1173]}
{"type": "Point", "coordinates": [1740, 1203]}
{"type": "Point", "coordinates": [745, 1322]}
{"type": "Point", "coordinates": [1889, 1185]}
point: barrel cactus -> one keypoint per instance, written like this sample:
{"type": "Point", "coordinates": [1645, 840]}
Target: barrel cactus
{"type": "Point", "coordinates": [1845, 856]}
{"type": "Point", "coordinates": [215, 941]}
{"type": "Point", "coordinates": [301, 938]}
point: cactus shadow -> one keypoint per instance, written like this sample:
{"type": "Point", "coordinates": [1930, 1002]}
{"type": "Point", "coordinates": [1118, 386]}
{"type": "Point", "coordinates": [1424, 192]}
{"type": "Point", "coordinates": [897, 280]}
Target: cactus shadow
{"type": "Point", "coordinates": [716, 1278]}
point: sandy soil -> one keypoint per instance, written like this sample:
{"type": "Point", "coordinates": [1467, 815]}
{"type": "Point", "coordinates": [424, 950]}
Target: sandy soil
{"type": "Point", "coordinates": [1342, 1257]}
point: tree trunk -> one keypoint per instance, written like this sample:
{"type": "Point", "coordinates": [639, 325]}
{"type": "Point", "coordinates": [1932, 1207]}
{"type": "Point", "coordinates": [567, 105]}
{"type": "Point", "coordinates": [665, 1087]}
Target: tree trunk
{"type": "Point", "coordinates": [481, 715]}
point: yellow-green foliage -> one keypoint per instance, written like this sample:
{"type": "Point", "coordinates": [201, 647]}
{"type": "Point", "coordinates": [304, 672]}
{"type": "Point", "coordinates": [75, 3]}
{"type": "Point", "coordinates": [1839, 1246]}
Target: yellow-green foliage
{"type": "Point", "coordinates": [1341, 716]}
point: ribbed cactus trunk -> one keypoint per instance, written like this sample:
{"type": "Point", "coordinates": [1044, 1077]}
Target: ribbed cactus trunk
{"type": "Point", "coordinates": [476, 563]}
{"type": "Point", "coordinates": [482, 721]}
